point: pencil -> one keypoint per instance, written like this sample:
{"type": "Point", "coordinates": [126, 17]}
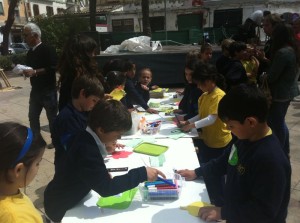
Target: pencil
{"type": "Point", "coordinates": [166, 181]}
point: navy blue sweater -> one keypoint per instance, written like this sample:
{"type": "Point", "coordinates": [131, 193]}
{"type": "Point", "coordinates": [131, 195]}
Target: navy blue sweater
{"type": "Point", "coordinates": [82, 169]}
{"type": "Point", "coordinates": [132, 95]}
{"type": "Point", "coordinates": [68, 123]}
{"type": "Point", "coordinates": [258, 187]}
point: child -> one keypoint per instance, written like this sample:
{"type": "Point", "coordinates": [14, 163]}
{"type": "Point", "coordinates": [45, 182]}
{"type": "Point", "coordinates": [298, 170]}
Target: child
{"type": "Point", "coordinates": [144, 84]}
{"type": "Point", "coordinates": [20, 155]}
{"type": "Point", "coordinates": [86, 92]}
{"type": "Point", "coordinates": [188, 105]}
{"type": "Point", "coordinates": [236, 74]}
{"type": "Point", "coordinates": [214, 137]}
{"type": "Point", "coordinates": [258, 172]}
{"type": "Point", "coordinates": [250, 64]}
{"type": "Point", "coordinates": [114, 79]}
{"type": "Point", "coordinates": [83, 168]}
{"type": "Point", "coordinates": [206, 52]}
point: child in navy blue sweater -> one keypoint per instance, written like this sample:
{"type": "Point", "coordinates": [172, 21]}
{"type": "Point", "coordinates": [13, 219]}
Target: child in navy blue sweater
{"type": "Point", "coordinates": [258, 172]}
{"type": "Point", "coordinates": [86, 92]}
{"type": "Point", "coordinates": [82, 167]}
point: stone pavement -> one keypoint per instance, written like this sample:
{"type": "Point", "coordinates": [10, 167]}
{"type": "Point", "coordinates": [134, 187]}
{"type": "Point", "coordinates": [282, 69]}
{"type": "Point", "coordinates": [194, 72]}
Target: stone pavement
{"type": "Point", "coordinates": [14, 107]}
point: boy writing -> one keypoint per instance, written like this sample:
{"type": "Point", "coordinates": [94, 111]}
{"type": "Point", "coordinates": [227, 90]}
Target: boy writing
{"type": "Point", "coordinates": [258, 172]}
{"type": "Point", "coordinates": [82, 167]}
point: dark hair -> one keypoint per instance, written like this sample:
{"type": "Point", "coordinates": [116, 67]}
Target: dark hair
{"type": "Point", "coordinates": [76, 58]}
{"type": "Point", "coordinates": [205, 46]}
{"type": "Point", "coordinates": [283, 35]}
{"type": "Point", "coordinates": [114, 79]}
{"type": "Point", "coordinates": [110, 115]}
{"type": "Point", "coordinates": [122, 65]}
{"type": "Point", "coordinates": [236, 46]}
{"type": "Point", "coordinates": [273, 18]}
{"type": "Point", "coordinates": [205, 71]}
{"type": "Point", "coordinates": [241, 102]}
{"type": "Point", "coordinates": [144, 69]}
{"type": "Point", "coordinates": [90, 85]}
{"type": "Point", "coordinates": [192, 55]}
{"type": "Point", "coordinates": [12, 139]}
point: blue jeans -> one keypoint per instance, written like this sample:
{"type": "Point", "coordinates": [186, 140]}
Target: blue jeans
{"type": "Point", "coordinates": [277, 123]}
{"type": "Point", "coordinates": [38, 101]}
{"type": "Point", "coordinates": [214, 184]}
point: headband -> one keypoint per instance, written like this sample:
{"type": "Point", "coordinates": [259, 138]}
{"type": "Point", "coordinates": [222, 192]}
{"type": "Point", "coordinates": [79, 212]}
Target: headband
{"type": "Point", "coordinates": [25, 147]}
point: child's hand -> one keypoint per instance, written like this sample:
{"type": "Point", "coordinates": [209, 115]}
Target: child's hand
{"type": "Point", "coordinates": [151, 111]}
{"type": "Point", "coordinates": [153, 173]}
{"type": "Point", "coordinates": [187, 127]}
{"type": "Point", "coordinates": [154, 87]}
{"type": "Point", "coordinates": [111, 147]}
{"type": "Point", "coordinates": [210, 213]}
{"type": "Point", "coordinates": [107, 97]}
{"type": "Point", "coordinates": [180, 92]}
{"type": "Point", "coordinates": [144, 87]}
{"type": "Point", "coordinates": [187, 174]}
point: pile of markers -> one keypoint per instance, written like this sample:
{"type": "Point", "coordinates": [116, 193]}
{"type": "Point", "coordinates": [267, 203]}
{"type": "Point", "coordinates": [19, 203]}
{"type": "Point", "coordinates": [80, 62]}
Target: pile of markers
{"type": "Point", "coordinates": [161, 189]}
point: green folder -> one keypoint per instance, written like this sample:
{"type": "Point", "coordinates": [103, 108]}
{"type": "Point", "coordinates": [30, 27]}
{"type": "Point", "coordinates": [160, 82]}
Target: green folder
{"type": "Point", "coordinates": [150, 149]}
{"type": "Point", "coordinates": [119, 201]}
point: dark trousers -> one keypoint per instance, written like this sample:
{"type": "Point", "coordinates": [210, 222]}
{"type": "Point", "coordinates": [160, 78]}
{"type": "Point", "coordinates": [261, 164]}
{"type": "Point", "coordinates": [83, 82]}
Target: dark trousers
{"type": "Point", "coordinates": [214, 184]}
{"type": "Point", "coordinates": [38, 101]}
{"type": "Point", "coordinates": [277, 123]}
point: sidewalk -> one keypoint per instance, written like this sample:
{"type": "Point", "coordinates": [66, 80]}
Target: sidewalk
{"type": "Point", "coordinates": [14, 107]}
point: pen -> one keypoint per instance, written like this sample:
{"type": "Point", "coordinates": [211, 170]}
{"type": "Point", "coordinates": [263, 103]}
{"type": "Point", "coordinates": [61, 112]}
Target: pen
{"type": "Point", "coordinates": [166, 181]}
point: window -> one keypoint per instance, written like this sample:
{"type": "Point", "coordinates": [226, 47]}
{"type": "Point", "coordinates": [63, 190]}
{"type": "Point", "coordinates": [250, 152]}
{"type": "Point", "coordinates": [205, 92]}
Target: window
{"type": "Point", "coordinates": [28, 9]}
{"type": "Point", "coordinates": [157, 23]}
{"type": "Point", "coordinates": [49, 10]}
{"type": "Point", "coordinates": [1, 9]}
{"type": "Point", "coordinates": [36, 10]}
{"type": "Point", "coordinates": [228, 17]}
{"type": "Point", "coordinates": [123, 25]}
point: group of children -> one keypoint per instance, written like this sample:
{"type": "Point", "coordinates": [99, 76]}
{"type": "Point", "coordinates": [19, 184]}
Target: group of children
{"type": "Point", "coordinates": [257, 186]}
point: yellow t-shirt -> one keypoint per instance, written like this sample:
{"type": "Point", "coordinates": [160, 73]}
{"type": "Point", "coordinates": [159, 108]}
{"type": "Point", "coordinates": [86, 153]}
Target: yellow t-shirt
{"type": "Point", "coordinates": [250, 66]}
{"type": "Point", "coordinates": [215, 135]}
{"type": "Point", "coordinates": [18, 209]}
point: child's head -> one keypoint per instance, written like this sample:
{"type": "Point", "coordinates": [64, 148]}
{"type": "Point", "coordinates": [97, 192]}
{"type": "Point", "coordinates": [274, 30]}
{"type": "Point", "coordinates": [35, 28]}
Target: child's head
{"type": "Point", "coordinates": [20, 153]}
{"type": "Point", "coordinates": [206, 75]}
{"type": "Point", "coordinates": [225, 46]}
{"type": "Point", "coordinates": [250, 52]}
{"type": "Point", "coordinates": [145, 76]}
{"type": "Point", "coordinates": [237, 50]}
{"type": "Point", "coordinates": [190, 66]}
{"type": "Point", "coordinates": [109, 120]}
{"type": "Point", "coordinates": [123, 65]}
{"type": "Point", "coordinates": [243, 106]}
{"type": "Point", "coordinates": [193, 55]}
{"type": "Point", "coordinates": [87, 91]}
{"type": "Point", "coordinates": [206, 52]}
{"type": "Point", "coordinates": [115, 79]}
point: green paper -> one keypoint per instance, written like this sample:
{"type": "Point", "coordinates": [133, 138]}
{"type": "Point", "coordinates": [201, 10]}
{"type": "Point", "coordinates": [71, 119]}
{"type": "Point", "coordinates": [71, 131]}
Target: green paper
{"type": "Point", "coordinates": [119, 201]}
{"type": "Point", "coordinates": [133, 143]}
{"type": "Point", "coordinates": [150, 149]}
{"type": "Point", "coordinates": [176, 135]}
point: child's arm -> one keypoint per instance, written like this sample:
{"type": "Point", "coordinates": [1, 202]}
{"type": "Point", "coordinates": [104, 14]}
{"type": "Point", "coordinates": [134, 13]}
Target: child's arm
{"type": "Point", "coordinates": [209, 120]}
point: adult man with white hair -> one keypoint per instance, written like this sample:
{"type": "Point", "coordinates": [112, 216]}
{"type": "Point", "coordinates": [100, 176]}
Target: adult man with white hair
{"type": "Point", "coordinates": [42, 59]}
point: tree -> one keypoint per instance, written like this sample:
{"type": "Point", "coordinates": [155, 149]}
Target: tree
{"type": "Point", "coordinates": [5, 30]}
{"type": "Point", "coordinates": [92, 8]}
{"type": "Point", "coordinates": [146, 20]}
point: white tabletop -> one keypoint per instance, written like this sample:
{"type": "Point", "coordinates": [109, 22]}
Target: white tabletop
{"type": "Point", "coordinates": [181, 154]}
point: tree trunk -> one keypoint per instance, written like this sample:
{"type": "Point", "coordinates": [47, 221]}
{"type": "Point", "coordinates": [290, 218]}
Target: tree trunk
{"type": "Point", "coordinates": [92, 7]}
{"type": "Point", "coordinates": [146, 20]}
{"type": "Point", "coordinates": [5, 30]}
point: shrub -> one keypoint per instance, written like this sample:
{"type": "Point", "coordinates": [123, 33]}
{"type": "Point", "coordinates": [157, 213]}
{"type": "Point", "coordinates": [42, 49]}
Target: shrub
{"type": "Point", "coordinates": [5, 63]}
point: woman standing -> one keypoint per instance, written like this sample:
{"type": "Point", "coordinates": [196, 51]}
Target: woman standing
{"type": "Point", "coordinates": [282, 78]}
{"type": "Point", "coordinates": [77, 59]}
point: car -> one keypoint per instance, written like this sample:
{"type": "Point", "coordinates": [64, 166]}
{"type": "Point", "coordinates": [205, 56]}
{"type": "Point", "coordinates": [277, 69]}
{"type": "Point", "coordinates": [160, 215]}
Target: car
{"type": "Point", "coordinates": [19, 47]}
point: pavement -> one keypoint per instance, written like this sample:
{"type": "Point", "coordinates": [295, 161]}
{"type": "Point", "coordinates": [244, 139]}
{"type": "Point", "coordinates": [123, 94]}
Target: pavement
{"type": "Point", "coordinates": [14, 107]}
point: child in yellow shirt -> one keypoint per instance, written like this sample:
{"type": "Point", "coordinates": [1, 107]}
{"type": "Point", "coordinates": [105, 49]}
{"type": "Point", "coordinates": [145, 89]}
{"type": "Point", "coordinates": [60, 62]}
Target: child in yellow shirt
{"type": "Point", "coordinates": [214, 136]}
{"type": "Point", "coordinates": [20, 155]}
